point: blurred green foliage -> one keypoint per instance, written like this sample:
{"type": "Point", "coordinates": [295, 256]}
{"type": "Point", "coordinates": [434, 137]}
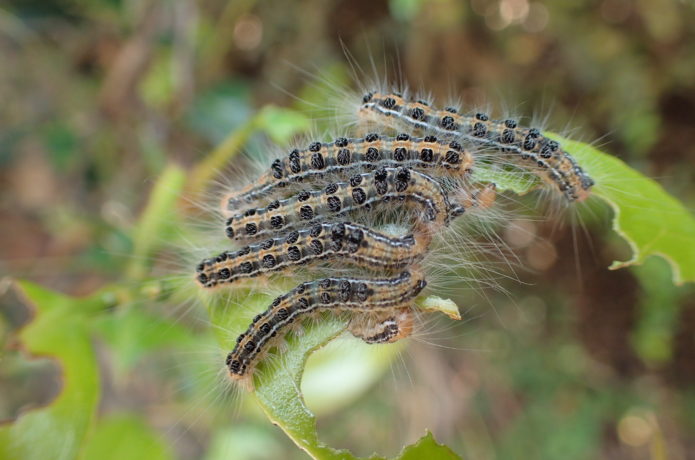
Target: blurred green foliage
{"type": "Point", "coordinates": [111, 106]}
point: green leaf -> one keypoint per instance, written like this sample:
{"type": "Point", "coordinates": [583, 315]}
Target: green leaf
{"type": "Point", "coordinates": [281, 124]}
{"type": "Point", "coordinates": [157, 218]}
{"type": "Point", "coordinates": [278, 382]}
{"type": "Point", "coordinates": [125, 436]}
{"type": "Point", "coordinates": [650, 220]}
{"type": "Point", "coordinates": [58, 330]}
{"type": "Point", "coordinates": [427, 448]}
{"type": "Point", "coordinates": [278, 390]}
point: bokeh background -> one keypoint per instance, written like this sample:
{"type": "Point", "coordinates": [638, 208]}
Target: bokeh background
{"type": "Point", "coordinates": [98, 96]}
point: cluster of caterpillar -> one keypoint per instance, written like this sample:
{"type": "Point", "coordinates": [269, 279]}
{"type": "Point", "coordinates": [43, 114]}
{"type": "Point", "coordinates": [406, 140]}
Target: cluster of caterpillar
{"type": "Point", "coordinates": [416, 165]}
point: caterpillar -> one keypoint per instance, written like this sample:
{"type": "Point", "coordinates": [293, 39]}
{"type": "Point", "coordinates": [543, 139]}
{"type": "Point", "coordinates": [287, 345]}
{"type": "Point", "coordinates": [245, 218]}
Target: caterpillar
{"type": "Point", "coordinates": [343, 156]}
{"type": "Point", "coordinates": [353, 243]}
{"type": "Point", "coordinates": [328, 294]}
{"type": "Point", "coordinates": [383, 326]}
{"type": "Point", "coordinates": [361, 191]}
{"type": "Point", "coordinates": [545, 156]}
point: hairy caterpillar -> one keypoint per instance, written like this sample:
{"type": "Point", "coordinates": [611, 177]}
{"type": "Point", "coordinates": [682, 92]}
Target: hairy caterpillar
{"type": "Point", "coordinates": [329, 294]}
{"type": "Point", "coordinates": [353, 243]}
{"type": "Point", "coordinates": [544, 156]}
{"type": "Point", "coordinates": [344, 156]}
{"type": "Point", "coordinates": [384, 326]}
{"type": "Point", "coordinates": [336, 199]}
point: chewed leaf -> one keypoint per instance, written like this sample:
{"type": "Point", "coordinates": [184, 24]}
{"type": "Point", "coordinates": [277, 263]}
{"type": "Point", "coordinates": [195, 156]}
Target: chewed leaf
{"type": "Point", "coordinates": [427, 448]}
{"type": "Point", "coordinates": [278, 390]}
{"type": "Point", "coordinates": [58, 330]}
{"type": "Point", "coordinates": [446, 306]}
{"type": "Point", "coordinates": [650, 220]}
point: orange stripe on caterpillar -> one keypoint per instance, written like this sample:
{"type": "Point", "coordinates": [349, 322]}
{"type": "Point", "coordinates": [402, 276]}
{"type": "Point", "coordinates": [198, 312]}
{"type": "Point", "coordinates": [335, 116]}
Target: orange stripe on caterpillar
{"type": "Point", "coordinates": [545, 156]}
{"type": "Point", "coordinates": [383, 327]}
{"type": "Point", "coordinates": [362, 191]}
{"type": "Point", "coordinates": [355, 244]}
{"type": "Point", "coordinates": [344, 156]}
{"type": "Point", "coordinates": [329, 294]}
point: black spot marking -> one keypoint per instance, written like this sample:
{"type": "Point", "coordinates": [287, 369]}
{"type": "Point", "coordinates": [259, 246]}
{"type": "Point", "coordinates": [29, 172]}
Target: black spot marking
{"type": "Point", "coordinates": [529, 142]}
{"type": "Point", "coordinates": [356, 236]}
{"type": "Point", "coordinates": [293, 253]}
{"type": "Point", "coordinates": [317, 161]}
{"type": "Point", "coordinates": [448, 123]}
{"type": "Point", "coordinates": [403, 137]}
{"type": "Point", "coordinates": [338, 231]}
{"type": "Point", "coordinates": [373, 154]}
{"type": "Point", "coordinates": [267, 244]}
{"type": "Point", "coordinates": [331, 189]}
{"type": "Point", "coordinates": [306, 213]}
{"type": "Point", "coordinates": [303, 195]}
{"type": "Point", "coordinates": [273, 205]}
{"type": "Point", "coordinates": [314, 146]}
{"type": "Point", "coordinates": [427, 155]}
{"type": "Point", "coordinates": [507, 136]}
{"type": "Point", "coordinates": [316, 247]}
{"type": "Point", "coordinates": [452, 157]}
{"type": "Point", "coordinates": [251, 228]}
{"type": "Point", "coordinates": [367, 97]}
{"type": "Point", "coordinates": [511, 124]}
{"type": "Point", "coordinates": [362, 292]}
{"type": "Point", "coordinates": [316, 230]}
{"type": "Point", "coordinates": [334, 204]}
{"type": "Point", "coordinates": [325, 283]}
{"type": "Point", "coordinates": [371, 137]}
{"type": "Point", "coordinates": [400, 154]}
{"type": "Point", "coordinates": [417, 113]}
{"type": "Point", "coordinates": [341, 142]}
{"type": "Point", "coordinates": [479, 130]}
{"type": "Point", "coordinates": [355, 180]}
{"type": "Point", "coordinates": [358, 195]}
{"type": "Point", "coordinates": [277, 169]}
{"type": "Point", "coordinates": [245, 267]}
{"type": "Point", "coordinates": [430, 139]}
{"type": "Point", "coordinates": [389, 103]}
{"type": "Point", "coordinates": [268, 261]}
{"type": "Point", "coordinates": [292, 237]}
{"type": "Point", "coordinates": [345, 290]}
{"type": "Point", "coordinates": [277, 222]}
{"type": "Point", "coordinates": [482, 116]}
{"type": "Point", "coordinates": [343, 157]}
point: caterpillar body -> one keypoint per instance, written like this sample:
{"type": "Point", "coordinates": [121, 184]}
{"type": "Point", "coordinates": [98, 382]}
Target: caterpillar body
{"type": "Point", "coordinates": [355, 244]}
{"type": "Point", "coordinates": [329, 294]}
{"type": "Point", "coordinates": [344, 156]}
{"type": "Point", "coordinates": [543, 156]}
{"type": "Point", "coordinates": [384, 326]}
{"type": "Point", "coordinates": [362, 191]}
